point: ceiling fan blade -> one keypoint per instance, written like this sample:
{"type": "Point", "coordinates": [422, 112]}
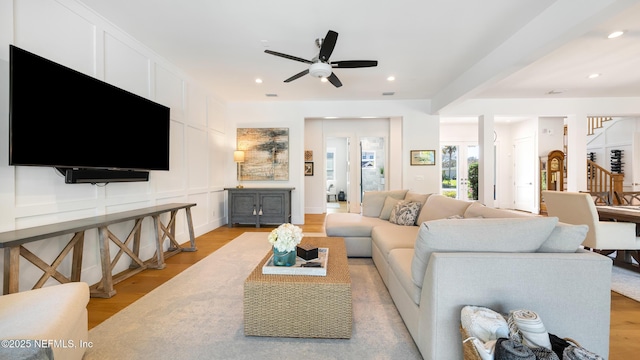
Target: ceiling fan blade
{"type": "Point", "coordinates": [298, 75]}
{"type": "Point", "coordinates": [328, 44]}
{"type": "Point", "coordinates": [290, 57]}
{"type": "Point", "coordinates": [354, 63]}
{"type": "Point", "coordinates": [334, 80]}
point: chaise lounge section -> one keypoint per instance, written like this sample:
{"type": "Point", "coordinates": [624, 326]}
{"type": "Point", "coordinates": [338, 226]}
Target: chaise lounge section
{"type": "Point", "coordinates": [458, 253]}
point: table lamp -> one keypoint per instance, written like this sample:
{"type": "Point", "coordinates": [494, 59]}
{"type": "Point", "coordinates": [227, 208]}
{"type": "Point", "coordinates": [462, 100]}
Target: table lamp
{"type": "Point", "coordinates": [238, 157]}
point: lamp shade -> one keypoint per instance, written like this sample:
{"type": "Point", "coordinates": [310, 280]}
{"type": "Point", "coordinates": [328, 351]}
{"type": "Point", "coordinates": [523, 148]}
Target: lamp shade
{"type": "Point", "coordinates": [238, 156]}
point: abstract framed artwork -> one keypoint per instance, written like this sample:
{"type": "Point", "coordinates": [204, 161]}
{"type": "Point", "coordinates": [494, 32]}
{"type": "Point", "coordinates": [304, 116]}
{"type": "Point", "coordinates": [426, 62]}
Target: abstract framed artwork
{"type": "Point", "coordinates": [308, 168]}
{"type": "Point", "coordinates": [423, 157]}
{"type": "Point", "coordinates": [308, 155]}
{"type": "Point", "coordinates": [266, 153]}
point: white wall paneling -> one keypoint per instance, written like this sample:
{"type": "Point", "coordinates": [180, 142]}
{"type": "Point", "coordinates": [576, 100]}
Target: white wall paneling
{"type": "Point", "coordinates": [126, 68]}
{"type": "Point", "coordinates": [197, 158]}
{"type": "Point", "coordinates": [196, 106]}
{"type": "Point", "coordinates": [67, 32]}
{"type": "Point", "coordinates": [56, 32]}
{"type": "Point", "coordinates": [217, 153]}
{"type": "Point", "coordinates": [169, 91]}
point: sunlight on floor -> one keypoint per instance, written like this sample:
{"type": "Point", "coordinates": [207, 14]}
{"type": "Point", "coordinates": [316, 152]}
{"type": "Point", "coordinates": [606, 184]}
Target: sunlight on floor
{"type": "Point", "coordinates": [336, 207]}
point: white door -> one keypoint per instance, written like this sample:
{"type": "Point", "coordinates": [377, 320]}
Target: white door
{"type": "Point", "coordinates": [524, 174]}
{"type": "Point", "coordinates": [457, 160]}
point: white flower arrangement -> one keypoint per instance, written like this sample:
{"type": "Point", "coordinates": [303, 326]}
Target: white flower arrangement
{"type": "Point", "coordinates": [285, 237]}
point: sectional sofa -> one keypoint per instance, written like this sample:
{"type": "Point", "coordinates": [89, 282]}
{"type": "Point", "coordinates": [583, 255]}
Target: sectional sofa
{"type": "Point", "coordinates": [436, 255]}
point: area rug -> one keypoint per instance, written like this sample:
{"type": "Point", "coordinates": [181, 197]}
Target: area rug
{"type": "Point", "coordinates": [199, 315]}
{"type": "Point", "coordinates": [626, 282]}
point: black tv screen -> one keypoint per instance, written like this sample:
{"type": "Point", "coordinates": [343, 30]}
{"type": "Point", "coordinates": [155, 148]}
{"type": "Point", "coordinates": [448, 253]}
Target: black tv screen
{"type": "Point", "coordinates": [62, 118]}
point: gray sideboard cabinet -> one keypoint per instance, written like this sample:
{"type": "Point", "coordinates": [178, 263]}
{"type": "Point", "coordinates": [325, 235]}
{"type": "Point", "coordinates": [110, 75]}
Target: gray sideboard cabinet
{"type": "Point", "coordinates": [259, 206]}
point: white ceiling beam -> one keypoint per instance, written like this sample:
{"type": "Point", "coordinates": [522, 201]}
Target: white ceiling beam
{"type": "Point", "coordinates": [560, 23]}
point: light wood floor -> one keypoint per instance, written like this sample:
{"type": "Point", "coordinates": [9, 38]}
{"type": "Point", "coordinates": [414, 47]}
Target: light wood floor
{"type": "Point", "coordinates": [625, 313]}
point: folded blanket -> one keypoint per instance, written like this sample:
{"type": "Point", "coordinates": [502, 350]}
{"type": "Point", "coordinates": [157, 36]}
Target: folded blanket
{"type": "Point", "coordinates": [509, 349]}
{"type": "Point", "coordinates": [483, 323]}
{"type": "Point", "coordinates": [578, 353]}
{"type": "Point", "coordinates": [526, 325]}
{"type": "Point", "coordinates": [484, 326]}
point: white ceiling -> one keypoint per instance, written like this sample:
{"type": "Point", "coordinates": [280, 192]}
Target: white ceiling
{"type": "Point", "coordinates": [446, 51]}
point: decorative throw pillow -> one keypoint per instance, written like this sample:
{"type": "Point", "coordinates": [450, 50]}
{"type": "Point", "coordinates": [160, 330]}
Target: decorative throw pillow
{"type": "Point", "coordinates": [389, 204]}
{"type": "Point", "coordinates": [405, 213]}
{"type": "Point", "coordinates": [373, 201]}
{"type": "Point", "coordinates": [564, 238]}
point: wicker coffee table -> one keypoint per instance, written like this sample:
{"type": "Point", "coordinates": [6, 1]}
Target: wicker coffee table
{"type": "Point", "coordinates": [300, 305]}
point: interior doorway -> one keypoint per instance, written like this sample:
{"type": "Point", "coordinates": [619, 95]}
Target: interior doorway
{"type": "Point", "coordinates": [372, 162]}
{"type": "Point", "coordinates": [337, 174]}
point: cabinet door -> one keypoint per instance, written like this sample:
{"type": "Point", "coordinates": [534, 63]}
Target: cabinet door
{"type": "Point", "coordinates": [242, 207]}
{"type": "Point", "coordinates": [274, 207]}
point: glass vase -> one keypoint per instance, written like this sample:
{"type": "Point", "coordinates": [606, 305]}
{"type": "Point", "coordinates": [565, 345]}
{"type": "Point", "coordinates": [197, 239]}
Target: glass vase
{"type": "Point", "coordinates": [284, 258]}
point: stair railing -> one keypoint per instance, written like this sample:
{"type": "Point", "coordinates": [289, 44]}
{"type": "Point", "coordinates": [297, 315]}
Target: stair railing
{"type": "Point", "coordinates": [600, 179]}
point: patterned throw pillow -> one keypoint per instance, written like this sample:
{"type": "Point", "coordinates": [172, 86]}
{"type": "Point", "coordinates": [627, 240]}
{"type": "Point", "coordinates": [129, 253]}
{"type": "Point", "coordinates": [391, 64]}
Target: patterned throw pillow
{"type": "Point", "coordinates": [405, 213]}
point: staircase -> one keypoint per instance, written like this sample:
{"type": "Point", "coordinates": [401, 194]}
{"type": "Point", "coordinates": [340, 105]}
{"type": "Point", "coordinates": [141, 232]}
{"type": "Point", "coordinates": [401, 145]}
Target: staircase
{"type": "Point", "coordinates": [600, 179]}
{"type": "Point", "coordinates": [596, 122]}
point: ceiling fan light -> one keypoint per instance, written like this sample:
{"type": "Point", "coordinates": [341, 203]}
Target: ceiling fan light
{"type": "Point", "coordinates": [320, 70]}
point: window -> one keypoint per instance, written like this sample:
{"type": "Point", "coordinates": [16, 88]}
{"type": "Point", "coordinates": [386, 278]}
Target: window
{"type": "Point", "coordinates": [368, 159]}
{"type": "Point", "coordinates": [331, 155]}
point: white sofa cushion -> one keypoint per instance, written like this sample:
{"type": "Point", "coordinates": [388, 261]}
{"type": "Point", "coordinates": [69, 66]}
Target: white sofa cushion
{"type": "Point", "coordinates": [478, 235]}
{"type": "Point", "coordinates": [441, 207]}
{"type": "Point", "coordinates": [350, 225]}
{"type": "Point", "coordinates": [373, 201]}
{"type": "Point", "coordinates": [476, 209]}
{"type": "Point", "coordinates": [389, 204]}
{"type": "Point", "coordinates": [564, 238]}
{"type": "Point", "coordinates": [391, 237]}
{"type": "Point", "coordinates": [417, 197]}
{"type": "Point", "coordinates": [400, 265]}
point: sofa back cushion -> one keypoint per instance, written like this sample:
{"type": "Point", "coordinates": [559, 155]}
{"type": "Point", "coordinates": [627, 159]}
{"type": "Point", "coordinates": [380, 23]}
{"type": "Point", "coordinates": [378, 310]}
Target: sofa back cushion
{"type": "Point", "coordinates": [373, 201]}
{"type": "Point", "coordinates": [389, 204]}
{"type": "Point", "coordinates": [441, 207]}
{"type": "Point", "coordinates": [478, 235]}
{"type": "Point", "coordinates": [476, 210]}
{"type": "Point", "coordinates": [417, 197]}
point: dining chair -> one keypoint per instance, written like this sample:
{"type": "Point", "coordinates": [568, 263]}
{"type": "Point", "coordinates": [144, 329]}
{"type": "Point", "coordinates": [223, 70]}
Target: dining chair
{"type": "Point", "coordinates": [628, 197]}
{"type": "Point", "coordinates": [578, 208]}
{"type": "Point", "coordinates": [600, 197]}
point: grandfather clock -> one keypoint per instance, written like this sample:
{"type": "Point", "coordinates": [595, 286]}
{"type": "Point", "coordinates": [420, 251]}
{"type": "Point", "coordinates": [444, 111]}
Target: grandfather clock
{"type": "Point", "coordinates": [555, 171]}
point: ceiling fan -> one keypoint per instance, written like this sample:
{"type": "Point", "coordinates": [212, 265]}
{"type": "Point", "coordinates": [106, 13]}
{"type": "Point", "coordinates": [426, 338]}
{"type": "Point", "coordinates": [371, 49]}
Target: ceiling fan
{"type": "Point", "coordinates": [320, 66]}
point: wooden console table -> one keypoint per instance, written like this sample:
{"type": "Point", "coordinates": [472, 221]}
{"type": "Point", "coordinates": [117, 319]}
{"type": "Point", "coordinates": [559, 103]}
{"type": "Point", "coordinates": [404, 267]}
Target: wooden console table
{"type": "Point", "coordinates": [259, 206]}
{"type": "Point", "coordinates": [12, 242]}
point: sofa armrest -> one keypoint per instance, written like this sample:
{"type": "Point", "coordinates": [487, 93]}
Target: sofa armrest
{"type": "Point", "coordinates": [570, 291]}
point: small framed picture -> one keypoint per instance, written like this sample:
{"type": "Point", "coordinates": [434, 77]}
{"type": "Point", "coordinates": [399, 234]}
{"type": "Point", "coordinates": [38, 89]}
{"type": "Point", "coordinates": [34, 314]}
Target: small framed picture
{"type": "Point", "coordinates": [423, 157]}
{"type": "Point", "coordinates": [308, 168]}
{"type": "Point", "coordinates": [308, 155]}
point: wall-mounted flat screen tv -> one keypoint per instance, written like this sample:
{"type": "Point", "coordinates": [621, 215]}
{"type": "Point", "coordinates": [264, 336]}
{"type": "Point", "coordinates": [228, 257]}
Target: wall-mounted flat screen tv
{"type": "Point", "coordinates": [63, 118]}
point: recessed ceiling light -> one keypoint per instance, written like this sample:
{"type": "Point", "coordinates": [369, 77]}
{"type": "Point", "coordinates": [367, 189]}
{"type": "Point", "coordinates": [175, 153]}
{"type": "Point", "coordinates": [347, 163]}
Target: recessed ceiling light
{"type": "Point", "coordinates": [593, 76]}
{"type": "Point", "coordinates": [258, 81]}
{"type": "Point", "coordinates": [615, 34]}
{"type": "Point", "coordinates": [391, 78]}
